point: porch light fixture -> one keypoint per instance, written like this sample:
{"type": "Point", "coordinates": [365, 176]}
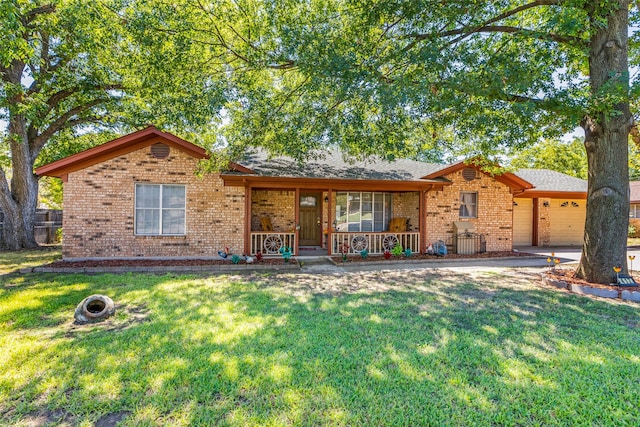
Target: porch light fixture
{"type": "Point", "coordinates": [326, 199]}
{"type": "Point", "coordinates": [545, 204]}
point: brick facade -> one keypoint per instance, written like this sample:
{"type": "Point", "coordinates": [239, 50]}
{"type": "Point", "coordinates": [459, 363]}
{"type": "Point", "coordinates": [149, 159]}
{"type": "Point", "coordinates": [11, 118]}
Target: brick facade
{"type": "Point", "coordinates": [495, 210]}
{"type": "Point", "coordinates": [99, 209]}
{"type": "Point", "coordinates": [279, 206]}
{"type": "Point", "coordinates": [407, 205]}
{"type": "Point", "coordinates": [544, 221]}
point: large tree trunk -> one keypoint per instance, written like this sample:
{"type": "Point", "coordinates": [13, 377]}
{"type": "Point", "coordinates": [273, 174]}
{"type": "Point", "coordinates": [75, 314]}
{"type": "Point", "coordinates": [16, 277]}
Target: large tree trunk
{"type": "Point", "coordinates": [606, 143]}
{"type": "Point", "coordinates": [19, 201]}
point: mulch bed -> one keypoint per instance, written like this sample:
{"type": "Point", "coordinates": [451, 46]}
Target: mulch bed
{"type": "Point", "coordinates": [425, 257]}
{"type": "Point", "coordinates": [565, 275]}
{"type": "Point", "coordinates": [159, 262]}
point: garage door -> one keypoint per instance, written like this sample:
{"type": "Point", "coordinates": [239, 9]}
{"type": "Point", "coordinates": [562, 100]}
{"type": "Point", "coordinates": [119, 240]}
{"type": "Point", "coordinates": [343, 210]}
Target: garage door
{"type": "Point", "coordinates": [522, 222]}
{"type": "Point", "coordinates": [567, 219]}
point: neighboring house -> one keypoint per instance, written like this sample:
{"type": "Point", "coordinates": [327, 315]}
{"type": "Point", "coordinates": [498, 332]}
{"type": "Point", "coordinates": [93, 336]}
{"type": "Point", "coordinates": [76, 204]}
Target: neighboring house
{"type": "Point", "coordinates": [138, 196]}
{"type": "Point", "coordinates": [634, 199]}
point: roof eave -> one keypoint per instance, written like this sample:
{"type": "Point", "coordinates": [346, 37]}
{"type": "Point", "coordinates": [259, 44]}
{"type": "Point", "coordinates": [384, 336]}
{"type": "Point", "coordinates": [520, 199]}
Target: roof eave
{"type": "Point", "coordinates": [117, 147]}
{"type": "Point", "coordinates": [256, 181]}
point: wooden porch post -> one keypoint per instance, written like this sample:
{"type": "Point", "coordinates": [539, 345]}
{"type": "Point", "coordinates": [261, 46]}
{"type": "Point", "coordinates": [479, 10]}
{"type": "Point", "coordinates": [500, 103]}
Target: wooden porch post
{"type": "Point", "coordinates": [423, 222]}
{"type": "Point", "coordinates": [536, 218]}
{"type": "Point", "coordinates": [247, 219]}
{"type": "Point", "coordinates": [297, 220]}
{"type": "Point", "coordinates": [329, 221]}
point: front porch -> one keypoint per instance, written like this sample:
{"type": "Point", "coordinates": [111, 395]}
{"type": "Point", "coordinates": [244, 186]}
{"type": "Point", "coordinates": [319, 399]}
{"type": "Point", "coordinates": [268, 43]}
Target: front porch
{"type": "Point", "coordinates": [336, 221]}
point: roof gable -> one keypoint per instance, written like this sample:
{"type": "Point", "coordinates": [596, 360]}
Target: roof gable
{"type": "Point", "coordinates": [511, 180]}
{"type": "Point", "coordinates": [118, 147]}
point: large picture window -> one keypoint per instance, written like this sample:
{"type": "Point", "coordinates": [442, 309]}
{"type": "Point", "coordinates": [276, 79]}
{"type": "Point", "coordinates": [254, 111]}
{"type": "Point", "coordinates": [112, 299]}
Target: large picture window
{"type": "Point", "coordinates": [362, 211]}
{"type": "Point", "coordinates": [468, 205]}
{"type": "Point", "coordinates": [160, 209]}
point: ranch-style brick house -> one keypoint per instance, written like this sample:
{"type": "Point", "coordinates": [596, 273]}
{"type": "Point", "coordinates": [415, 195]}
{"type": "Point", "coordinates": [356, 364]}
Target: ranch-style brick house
{"type": "Point", "coordinates": [139, 196]}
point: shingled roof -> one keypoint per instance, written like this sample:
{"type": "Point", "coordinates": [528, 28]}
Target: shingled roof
{"type": "Point", "coordinates": [333, 165]}
{"type": "Point", "coordinates": [549, 181]}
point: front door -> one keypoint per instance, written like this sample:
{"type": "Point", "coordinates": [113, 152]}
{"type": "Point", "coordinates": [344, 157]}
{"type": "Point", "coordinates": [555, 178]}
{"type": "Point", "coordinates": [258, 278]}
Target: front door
{"type": "Point", "coordinates": [310, 219]}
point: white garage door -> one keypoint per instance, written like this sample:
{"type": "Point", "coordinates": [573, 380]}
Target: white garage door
{"type": "Point", "coordinates": [567, 219]}
{"type": "Point", "coordinates": [522, 222]}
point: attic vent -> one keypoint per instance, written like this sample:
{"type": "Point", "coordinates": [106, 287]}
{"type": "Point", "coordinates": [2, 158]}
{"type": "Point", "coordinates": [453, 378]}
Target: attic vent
{"type": "Point", "coordinates": [160, 151]}
{"type": "Point", "coordinates": [469, 174]}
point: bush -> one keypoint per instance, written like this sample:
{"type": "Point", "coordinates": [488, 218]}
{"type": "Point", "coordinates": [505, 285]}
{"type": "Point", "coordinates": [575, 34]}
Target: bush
{"type": "Point", "coordinates": [634, 227]}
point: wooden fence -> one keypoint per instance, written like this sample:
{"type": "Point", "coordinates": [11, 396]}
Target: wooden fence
{"type": "Point", "coordinates": [48, 222]}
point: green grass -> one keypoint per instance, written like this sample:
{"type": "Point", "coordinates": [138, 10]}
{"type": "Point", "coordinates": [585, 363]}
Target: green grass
{"type": "Point", "coordinates": [11, 262]}
{"type": "Point", "coordinates": [381, 348]}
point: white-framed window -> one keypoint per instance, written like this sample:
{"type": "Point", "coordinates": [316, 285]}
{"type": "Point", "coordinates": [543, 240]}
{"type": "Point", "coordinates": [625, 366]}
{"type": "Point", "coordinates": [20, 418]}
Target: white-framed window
{"type": "Point", "coordinates": [363, 211]}
{"type": "Point", "coordinates": [160, 209]}
{"type": "Point", "coordinates": [468, 204]}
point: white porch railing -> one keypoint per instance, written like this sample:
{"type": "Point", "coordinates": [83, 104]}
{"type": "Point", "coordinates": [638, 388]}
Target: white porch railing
{"type": "Point", "coordinates": [269, 243]}
{"type": "Point", "coordinates": [375, 243]}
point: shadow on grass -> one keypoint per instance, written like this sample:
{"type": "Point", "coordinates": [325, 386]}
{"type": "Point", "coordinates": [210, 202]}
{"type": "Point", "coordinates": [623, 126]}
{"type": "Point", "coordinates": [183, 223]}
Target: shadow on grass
{"type": "Point", "coordinates": [386, 348]}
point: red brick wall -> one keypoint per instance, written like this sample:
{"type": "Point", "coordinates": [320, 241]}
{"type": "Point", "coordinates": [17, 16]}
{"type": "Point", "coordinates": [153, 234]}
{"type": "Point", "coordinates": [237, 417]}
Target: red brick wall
{"type": "Point", "coordinates": [279, 206]}
{"type": "Point", "coordinates": [495, 207]}
{"type": "Point", "coordinates": [407, 205]}
{"type": "Point", "coordinates": [99, 209]}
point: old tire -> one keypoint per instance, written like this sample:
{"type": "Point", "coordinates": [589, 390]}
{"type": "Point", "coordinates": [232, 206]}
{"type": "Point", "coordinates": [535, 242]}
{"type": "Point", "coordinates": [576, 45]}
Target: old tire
{"type": "Point", "coordinates": [94, 308]}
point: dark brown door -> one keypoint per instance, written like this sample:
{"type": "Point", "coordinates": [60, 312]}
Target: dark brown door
{"type": "Point", "coordinates": [310, 220]}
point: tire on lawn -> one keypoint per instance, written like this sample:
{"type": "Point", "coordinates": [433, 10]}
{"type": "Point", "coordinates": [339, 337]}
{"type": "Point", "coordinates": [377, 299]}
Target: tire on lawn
{"type": "Point", "coordinates": [94, 308]}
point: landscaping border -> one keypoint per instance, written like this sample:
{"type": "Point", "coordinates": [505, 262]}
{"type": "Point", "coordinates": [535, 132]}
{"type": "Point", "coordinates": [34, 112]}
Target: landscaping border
{"type": "Point", "coordinates": [614, 293]}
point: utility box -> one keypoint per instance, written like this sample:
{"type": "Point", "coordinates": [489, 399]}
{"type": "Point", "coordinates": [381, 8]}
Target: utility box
{"type": "Point", "coordinates": [464, 237]}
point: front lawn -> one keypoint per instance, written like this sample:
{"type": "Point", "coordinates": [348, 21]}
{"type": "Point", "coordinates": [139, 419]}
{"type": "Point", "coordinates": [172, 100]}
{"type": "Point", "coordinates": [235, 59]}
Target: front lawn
{"type": "Point", "coordinates": [11, 262]}
{"type": "Point", "coordinates": [402, 348]}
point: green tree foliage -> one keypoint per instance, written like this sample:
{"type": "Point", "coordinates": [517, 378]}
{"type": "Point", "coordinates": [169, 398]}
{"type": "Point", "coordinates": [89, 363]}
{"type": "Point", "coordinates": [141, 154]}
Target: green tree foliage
{"type": "Point", "coordinates": [72, 66]}
{"type": "Point", "coordinates": [565, 157]}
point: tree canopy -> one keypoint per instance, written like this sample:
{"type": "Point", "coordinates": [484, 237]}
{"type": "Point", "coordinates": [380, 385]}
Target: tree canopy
{"type": "Point", "coordinates": [72, 66]}
{"type": "Point", "coordinates": [396, 78]}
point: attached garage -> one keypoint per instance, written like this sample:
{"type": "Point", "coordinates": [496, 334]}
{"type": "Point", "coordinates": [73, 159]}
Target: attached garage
{"type": "Point", "coordinates": [566, 218]}
{"type": "Point", "coordinates": [522, 222]}
{"type": "Point", "coordinates": [553, 212]}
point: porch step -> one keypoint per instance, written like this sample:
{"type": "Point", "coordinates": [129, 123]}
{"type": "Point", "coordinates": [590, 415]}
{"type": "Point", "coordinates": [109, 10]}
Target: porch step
{"type": "Point", "coordinates": [315, 259]}
{"type": "Point", "coordinates": [318, 264]}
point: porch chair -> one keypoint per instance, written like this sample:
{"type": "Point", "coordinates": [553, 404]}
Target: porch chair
{"type": "Point", "coordinates": [265, 222]}
{"type": "Point", "coordinates": [398, 225]}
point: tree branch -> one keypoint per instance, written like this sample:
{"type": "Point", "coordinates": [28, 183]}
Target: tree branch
{"type": "Point", "coordinates": [524, 31]}
{"type": "Point", "coordinates": [33, 13]}
{"type": "Point", "coordinates": [61, 123]}
{"type": "Point", "coordinates": [466, 32]}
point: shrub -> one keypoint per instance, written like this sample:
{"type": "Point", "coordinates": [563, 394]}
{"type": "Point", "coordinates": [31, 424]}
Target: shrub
{"type": "Point", "coordinates": [387, 254]}
{"type": "Point", "coordinates": [634, 227]}
{"type": "Point", "coordinates": [396, 251]}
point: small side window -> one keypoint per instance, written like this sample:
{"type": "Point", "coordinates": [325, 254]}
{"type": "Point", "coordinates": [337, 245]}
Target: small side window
{"type": "Point", "coordinates": [468, 205]}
